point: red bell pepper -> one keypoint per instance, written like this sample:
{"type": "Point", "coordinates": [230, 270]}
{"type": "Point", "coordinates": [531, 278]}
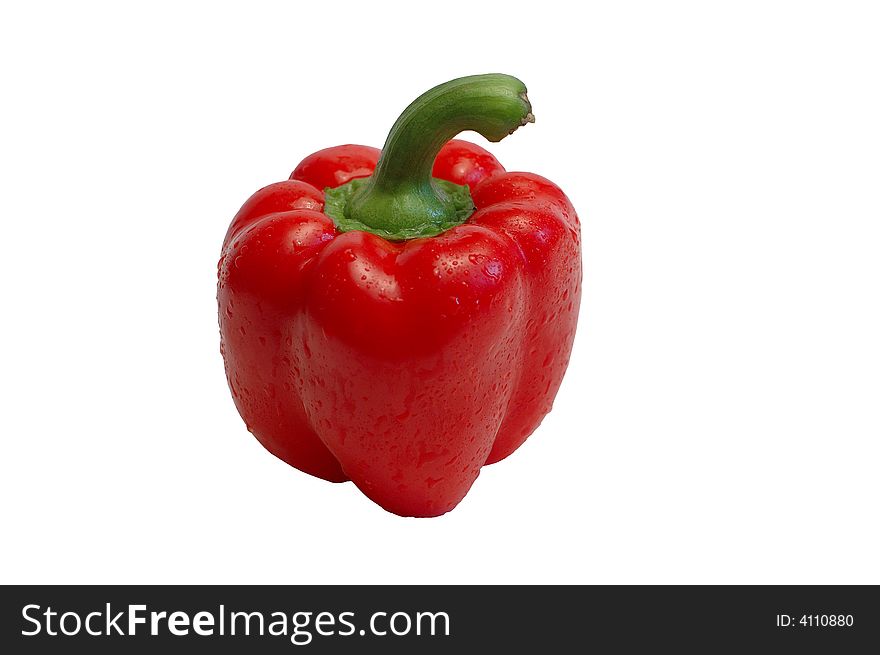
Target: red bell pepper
{"type": "Point", "coordinates": [402, 318]}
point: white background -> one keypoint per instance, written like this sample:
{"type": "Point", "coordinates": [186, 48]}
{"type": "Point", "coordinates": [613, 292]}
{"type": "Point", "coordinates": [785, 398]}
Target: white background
{"type": "Point", "coordinates": [720, 418]}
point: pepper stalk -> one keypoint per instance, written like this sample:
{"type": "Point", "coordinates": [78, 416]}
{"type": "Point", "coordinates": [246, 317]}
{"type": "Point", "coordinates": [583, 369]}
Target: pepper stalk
{"type": "Point", "coordinates": [401, 200]}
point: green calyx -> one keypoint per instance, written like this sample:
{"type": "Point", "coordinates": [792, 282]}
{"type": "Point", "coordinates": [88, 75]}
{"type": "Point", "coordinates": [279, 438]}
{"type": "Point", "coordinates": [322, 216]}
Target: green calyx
{"type": "Point", "coordinates": [401, 200]}
{"type": "Point", "coordinates": [337, 203]}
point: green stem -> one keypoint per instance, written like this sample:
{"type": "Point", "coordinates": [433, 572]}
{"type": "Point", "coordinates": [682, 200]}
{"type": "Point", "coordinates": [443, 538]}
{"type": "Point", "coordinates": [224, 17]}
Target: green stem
{"type": "Point", "coordinates": [401, 198]}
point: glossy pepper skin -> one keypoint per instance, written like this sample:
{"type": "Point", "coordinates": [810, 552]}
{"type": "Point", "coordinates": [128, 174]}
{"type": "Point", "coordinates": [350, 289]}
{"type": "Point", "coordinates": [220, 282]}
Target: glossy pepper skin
{"type": "Point", "coordinates": [403, 365]}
